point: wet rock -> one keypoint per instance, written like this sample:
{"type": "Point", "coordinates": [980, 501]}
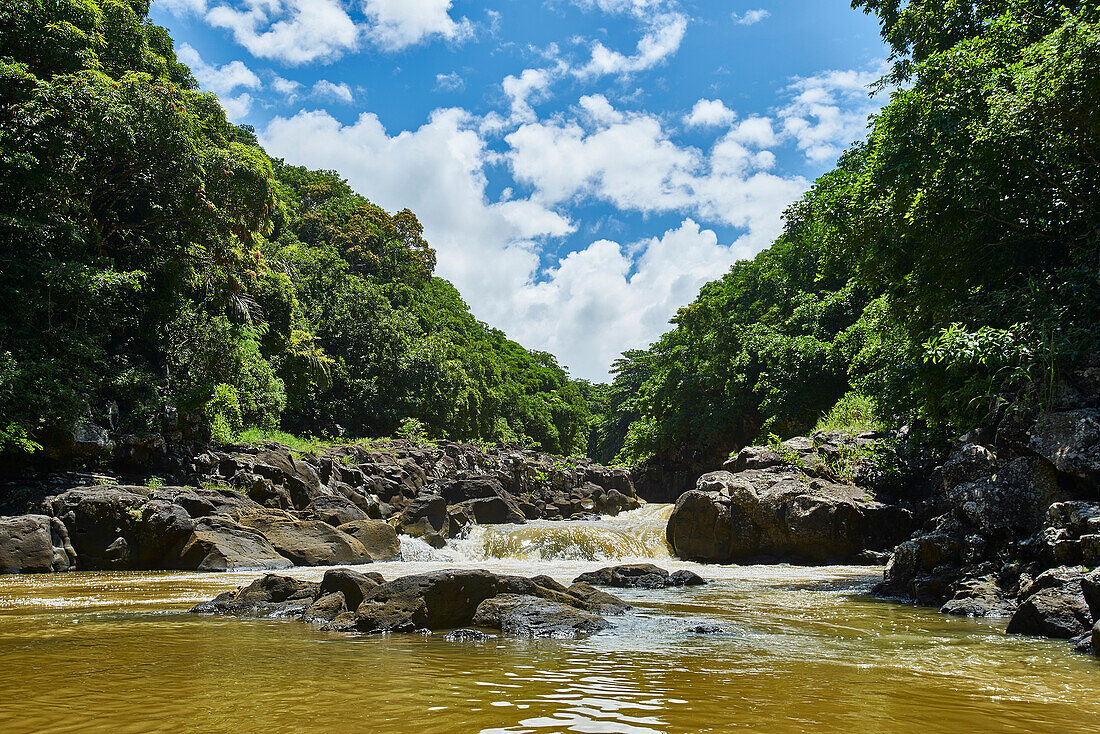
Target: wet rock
{"type": "Point", "coordinates": [1053, 606]}
{"type": "Point", "coordinates": [706, 629]}
{"type": "Point", "coordinates": [352, 585]}
{"type": "Point", "coordinates": [596, 600]}
{"type": "Point", "coordinates": [487, 511]}
{"type": "Point", "coordinates": [530, 616]}
{"type": "Point", "coordinates": [379, 538]}
{"type": "Point", "coordinates": [426, 518]}
{"type": "Point", "coordinates": [466, 635]}
{"type": "Point", "coordinates": [326, 607]}
{"type": "Point", "coordinates": [268, 596]}
{"type": "Point", "coordinates": [780, 514]}
{"type": "Point", "coordinates": [684, 577]}
{"type": "Point", "coordinates": [307, 542]}
{"type": "Point", "coordinates": [639, 575]}
{"type": "Point", "coordinates": [34, 544]}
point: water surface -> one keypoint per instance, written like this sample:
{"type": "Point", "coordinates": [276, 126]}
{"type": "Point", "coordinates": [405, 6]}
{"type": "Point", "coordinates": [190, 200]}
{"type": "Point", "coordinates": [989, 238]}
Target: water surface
{"type": "Point", "coordinates": [804, 649]}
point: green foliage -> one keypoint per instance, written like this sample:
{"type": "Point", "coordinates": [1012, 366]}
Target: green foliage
{"type": "Point", "coordinates": [412, 430]}
{"type": "Point", "coordinates": [950, 262]}
{"type": "Point", "coordinates": [157, 261]}
{"type": "Point", "coordinates": [788, 455]}
{"type": "Point", "coordinates": [853, 413]}
{"type": "Point", "coordinates": [154, 483]}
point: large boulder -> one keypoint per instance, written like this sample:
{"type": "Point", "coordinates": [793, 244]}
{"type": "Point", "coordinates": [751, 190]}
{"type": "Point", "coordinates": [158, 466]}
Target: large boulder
{"type": "Point", "coordinates": [530, 616]}
{"type": "Point", "coordinates": [426, 518]}
{"type": "Point", "coordinates": [378, 537]}
{"type": "Point", "coordinates": [449, 599]}
{"type": "Point", "coordinates": [307, 542]}
{"type": "Point", "coordinates": [34, 544]}
{"type": "Point", "coordinates": [267, 596]}
{"type": "Point", "coordinates": [1053, 606]}
{"type": "Point", "coordinates": [219, 544]}
{"type": "Point", "coordinates": [780, 513]}
{"type": "Point", "coordinates": [352, 585]}
{"type": "Point", "coordinates": [640, 576]}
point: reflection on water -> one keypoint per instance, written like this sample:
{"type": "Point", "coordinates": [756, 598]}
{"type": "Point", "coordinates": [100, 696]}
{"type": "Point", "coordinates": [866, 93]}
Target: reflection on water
{"type": "Point", "coordinates": [802, 650]}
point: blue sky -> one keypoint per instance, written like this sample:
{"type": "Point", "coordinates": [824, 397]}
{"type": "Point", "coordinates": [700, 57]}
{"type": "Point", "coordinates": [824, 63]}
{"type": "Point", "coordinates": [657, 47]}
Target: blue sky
{"type": "Point", "coordinates": [582, 167]}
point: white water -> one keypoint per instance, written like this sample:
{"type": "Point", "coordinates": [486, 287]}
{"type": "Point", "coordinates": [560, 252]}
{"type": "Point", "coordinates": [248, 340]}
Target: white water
{"type": "Point", "coordinates": [635, 535]}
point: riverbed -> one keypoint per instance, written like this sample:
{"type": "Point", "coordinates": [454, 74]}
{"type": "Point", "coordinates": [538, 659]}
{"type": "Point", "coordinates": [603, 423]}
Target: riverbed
{"type": "Point", "coordinates": [801, 649]}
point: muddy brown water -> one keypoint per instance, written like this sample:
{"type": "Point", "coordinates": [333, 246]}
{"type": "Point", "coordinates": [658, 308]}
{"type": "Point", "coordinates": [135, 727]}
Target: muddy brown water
{"type": "Point", "coordinates": [803, 650]}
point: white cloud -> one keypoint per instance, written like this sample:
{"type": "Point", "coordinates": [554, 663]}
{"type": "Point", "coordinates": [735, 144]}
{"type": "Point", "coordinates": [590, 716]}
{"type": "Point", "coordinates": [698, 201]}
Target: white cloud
{"type": "Point", "coordinates": [661, 41]}
{"type": "Point", "coordinates": [829, 111]}
{"type": "Point", "coordinates": [709, 113]}
{"type": "Point", "coordinates": [291, 31]}
{"type": "Point", "coordinates": [755, 131]}
{"type": "Point", "coordinates": [341, 92]}
{"type": "Point", "coordinates": [452, 82]}
{"type": "Point", "coordinates": [223, 81]}
{"type": "Point", "coordinates": [401, 23]}
{"type": "Point", "coordinates": [613, 7]}
{"type": "Point", "coordinates": [595, 302]}
{"type": "Point", "coordinates": [750, 17]}
{"type": "Point", "coordinates": [286, 87]}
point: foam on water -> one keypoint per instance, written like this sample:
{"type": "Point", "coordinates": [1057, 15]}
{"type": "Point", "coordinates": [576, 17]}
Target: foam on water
{"type": "Point", "coordinates": [629, 535]}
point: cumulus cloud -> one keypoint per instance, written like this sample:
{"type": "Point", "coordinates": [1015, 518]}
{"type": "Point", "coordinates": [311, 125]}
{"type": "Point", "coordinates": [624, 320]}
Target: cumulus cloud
{"type": "Point", "coordinates": [829, 111]}
{"type": "Point", "coordinates": [287, 87]}
{"type": "Point", "coordinates": [709, 113]}
{"type": "Point", "coordinates": [291, 31]}
{"type": "Point", "coordinates": [662, 40]}
{"type": "Point", "coordinates": [223, 81]}
{"type": "Point", "coordinates": [400, 23]}
{"type": "Point", "coordinates": [341, 92]}
{"type": "Point", "coordinates": [750, 17]}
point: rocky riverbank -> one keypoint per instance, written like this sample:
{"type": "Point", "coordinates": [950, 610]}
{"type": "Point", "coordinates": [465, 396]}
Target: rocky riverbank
{"type": "Point", "coordinates": [268, 507]}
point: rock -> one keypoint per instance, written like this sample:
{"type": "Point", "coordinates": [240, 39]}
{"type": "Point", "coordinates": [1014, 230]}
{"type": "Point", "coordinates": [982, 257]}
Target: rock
{"type": "Point", "coordinates": [489, 511]}
{"type": "Point", "coordinates": [530, 616]}
{"type": "Point", "coordinates": [35, 544]}
{"type": "Point", "coordinates": [1053, 606]}
{"type": "Point", "coordinates": [378, 537]}
{"type": "Point", "coordinates": [706, 629]}
{"type": "Point", "coordinates": [352, 585]}
{"type": "Point", "coordinates": [325, 607]}
{"type": "Point", "coordinates": [443, 599]}
{"type": "Point", "coordinates": [686, 578]}
{"type": "Point", "coordinates": [640, 575]}
{"type": "Point", "coordinates": [780, 514]}
{"type": "Point", "coordinates": [1071, 442]}
{"type": "Point", "coordinates": [218, 544]}
{"type": "Point", "coordinates": [1010, 503]}
{"type": "Point", "coordinates": [426, 518]}
{"type": "Point", "coordinates": [267, 596]}
{"type": "Point", "coordinates": [466, 635]}
{"type": "Point", "coordinates": [968, 464]}
{"type": "Point", "coordinates": [754, 457]}
{"type": "Point", "coordinates": [980, 598]}
{"type": "Point", "coordinates": [597, 600]}
{"type": "Point", "coordinates": [335, 510]}
{"type": "Point", "coordinates": [307, 542]}
{"type": "Point", "coordinates": [1096, 639]}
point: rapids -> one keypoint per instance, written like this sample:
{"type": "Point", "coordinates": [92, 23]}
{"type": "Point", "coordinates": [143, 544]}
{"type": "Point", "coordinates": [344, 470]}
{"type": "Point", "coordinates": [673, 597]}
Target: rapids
{"type": "Point", "coordinates": [802, 649]}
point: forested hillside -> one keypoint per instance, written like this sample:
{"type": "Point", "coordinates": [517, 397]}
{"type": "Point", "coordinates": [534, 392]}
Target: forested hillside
{"type": "Point", "coordinates": [161, 274]}
{"type": "Point", "coordinates": [949, 266]}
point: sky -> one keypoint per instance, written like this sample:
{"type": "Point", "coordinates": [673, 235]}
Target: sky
{"type": "Point", "coordinates": [581, 167]}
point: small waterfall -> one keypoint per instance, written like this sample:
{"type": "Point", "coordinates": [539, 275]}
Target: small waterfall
{"type": "Point", "coordinates": [629, 535]}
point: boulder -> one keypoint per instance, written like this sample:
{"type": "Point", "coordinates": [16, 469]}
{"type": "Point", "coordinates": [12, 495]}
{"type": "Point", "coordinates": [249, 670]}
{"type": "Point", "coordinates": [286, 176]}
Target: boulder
{"type": "Point", "coordinates": [426, 518]}
{"type": "Point", "coordinates": [487, 511]}
{"type": "Point", "coordinates": [597, 600]}
{"type": "Point", "coordinates": [335, 510]}
{"type": "Point", "coordinates": [639, 575]}
{"type": "Point", "coordinates": [268, 596]}
{"type": "Point", "coordinates": [445, 599]}
{"type": "Point", "coordinates": [378, 537]}
{"type": "Point", "coordinates": [1070, 441]}
{"type": "Point", "coordinates": [352, 585]}
{"type": "Point", "coordinates": [466, 635]}
{"type": "Point", "coordinates": [980, 597]}
{"type": "Point", "coordinates": [530, 616]}
{"type": "Point", "coordinates": [307, 542]}
{"type": "Point", "coordinates": [1053, 606]}
{"type": "Point", "coordinates": [780, 514]}
{"type": "Point", "coordinates": [219, 544]}
{"type": "Point", "coordinates": [325, 607]}
{"type": "Point", "coordinates": [35, 544]}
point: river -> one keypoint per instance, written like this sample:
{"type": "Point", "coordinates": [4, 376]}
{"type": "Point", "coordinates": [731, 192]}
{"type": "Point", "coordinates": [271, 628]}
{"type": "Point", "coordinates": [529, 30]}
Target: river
{"type": "Point", "coordinates": [804, 650]}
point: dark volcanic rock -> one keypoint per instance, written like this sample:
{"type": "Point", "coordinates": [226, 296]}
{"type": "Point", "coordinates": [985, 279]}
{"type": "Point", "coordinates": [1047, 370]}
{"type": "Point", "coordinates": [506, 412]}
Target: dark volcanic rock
{"type": "Point", "coordinates": [1053, 606]}
{"type": "Point", "coordinates": [530, 616]}
{"type": "Point", "coordinates": [218, 544]}
{"type": "Point", "coordinates": [597, 600]}
{"type": "Point", "coordinates": [352, 585]}
{"type": "Point", "coordinates": [780, 513]}
{"type": "Point", "coordinates": [640, 575]}
{"type": "Point", "coordinates": [34, 544]}
{"type": "Point", "coordinates": [466, 635]}
{"type": "Point", "coordinates": [981, 597]}
{"type": "Point", "coordinates": [267, 596]}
